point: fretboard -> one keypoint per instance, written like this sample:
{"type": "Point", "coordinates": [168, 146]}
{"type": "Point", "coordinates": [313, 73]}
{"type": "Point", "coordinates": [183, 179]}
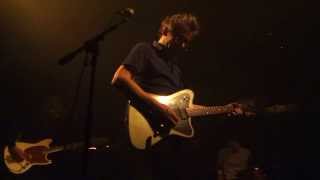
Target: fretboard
{"type": "Point", "coordinates": [79, 145]}
{"type": "Point", "coordinates": [211, 110]}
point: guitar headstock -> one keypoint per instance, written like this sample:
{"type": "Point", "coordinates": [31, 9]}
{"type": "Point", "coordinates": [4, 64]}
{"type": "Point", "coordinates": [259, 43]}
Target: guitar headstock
{"type": "Point", "coordinates": [251, 110]}
{"type": "Point", "coordinates": [279, 108]}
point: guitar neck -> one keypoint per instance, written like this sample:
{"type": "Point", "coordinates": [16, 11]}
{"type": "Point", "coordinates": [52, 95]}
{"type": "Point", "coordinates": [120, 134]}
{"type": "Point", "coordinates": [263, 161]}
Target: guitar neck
{"type": "Point", "coordinates": [56, 149]}
{"type": "Point", "coordinates": [73, 146]}
{"type": "Point", "coordinates": [79, 145]}
{"type": "Point", "coordinates": [211, 110]}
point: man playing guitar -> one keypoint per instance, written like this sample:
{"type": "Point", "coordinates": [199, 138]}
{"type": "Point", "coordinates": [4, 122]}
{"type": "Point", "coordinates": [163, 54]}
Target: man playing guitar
{"type": "Point", "coordinates": [150, 70]}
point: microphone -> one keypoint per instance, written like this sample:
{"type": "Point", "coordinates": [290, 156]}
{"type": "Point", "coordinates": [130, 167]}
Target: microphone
{"type": "Point", "coordinates": [127, 12]}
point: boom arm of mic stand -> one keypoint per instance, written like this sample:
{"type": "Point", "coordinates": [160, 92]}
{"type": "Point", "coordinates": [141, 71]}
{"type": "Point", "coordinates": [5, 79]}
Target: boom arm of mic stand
{"type": "Point", "coordinates": [87, 46]}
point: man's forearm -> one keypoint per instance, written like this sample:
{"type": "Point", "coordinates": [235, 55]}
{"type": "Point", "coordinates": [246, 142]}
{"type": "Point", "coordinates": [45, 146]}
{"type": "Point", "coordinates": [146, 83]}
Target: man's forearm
{"type": "Point", "coordinates": [124, 79]}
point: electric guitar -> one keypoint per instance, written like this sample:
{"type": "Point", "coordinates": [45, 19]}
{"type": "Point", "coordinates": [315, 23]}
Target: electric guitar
{"type": "Point", "coordinates": [37, 153]}
{"type": "Point", "coordinates": [147, 127]}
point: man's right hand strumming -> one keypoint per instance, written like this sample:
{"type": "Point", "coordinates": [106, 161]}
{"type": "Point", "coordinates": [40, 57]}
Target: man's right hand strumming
{"type": "Point", "coordinates": [169, 113]}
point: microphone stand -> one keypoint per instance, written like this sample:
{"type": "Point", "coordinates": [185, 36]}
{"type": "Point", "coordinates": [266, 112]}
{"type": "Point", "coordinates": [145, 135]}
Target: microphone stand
{"type": "Point", "coordinates": [90, 47]}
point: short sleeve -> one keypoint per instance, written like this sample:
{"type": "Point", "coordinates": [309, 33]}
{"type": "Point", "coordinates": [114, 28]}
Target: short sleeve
{"type": "Point", "coordinates": [137, 59]}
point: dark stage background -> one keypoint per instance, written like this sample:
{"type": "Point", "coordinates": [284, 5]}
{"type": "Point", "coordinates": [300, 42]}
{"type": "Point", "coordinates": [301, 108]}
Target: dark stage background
{"type": "Point", "coordinates": [249, 48]}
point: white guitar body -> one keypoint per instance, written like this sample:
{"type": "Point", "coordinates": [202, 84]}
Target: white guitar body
{"type": "Point", "coordinates": [143, 135]}
{"type": "Point", "coordinates": [30, 160]}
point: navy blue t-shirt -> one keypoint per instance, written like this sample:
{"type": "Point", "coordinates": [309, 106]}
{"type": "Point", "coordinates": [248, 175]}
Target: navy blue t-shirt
{"type": "Point", "coordinates": [154, 70]}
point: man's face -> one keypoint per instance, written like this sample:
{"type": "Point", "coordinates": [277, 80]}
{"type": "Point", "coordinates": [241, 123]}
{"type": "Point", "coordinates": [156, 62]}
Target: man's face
{"type": "Point", "coordinates": [181, 42]}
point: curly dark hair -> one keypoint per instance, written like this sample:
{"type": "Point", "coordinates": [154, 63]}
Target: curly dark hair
{"type": "Point", "coordinates": [179, 24]}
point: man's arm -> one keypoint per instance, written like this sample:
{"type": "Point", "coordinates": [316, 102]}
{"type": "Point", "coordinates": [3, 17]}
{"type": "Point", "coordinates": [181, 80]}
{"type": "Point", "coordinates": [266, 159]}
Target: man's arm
{"type": "Point", "coordinates": [124, 78]}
